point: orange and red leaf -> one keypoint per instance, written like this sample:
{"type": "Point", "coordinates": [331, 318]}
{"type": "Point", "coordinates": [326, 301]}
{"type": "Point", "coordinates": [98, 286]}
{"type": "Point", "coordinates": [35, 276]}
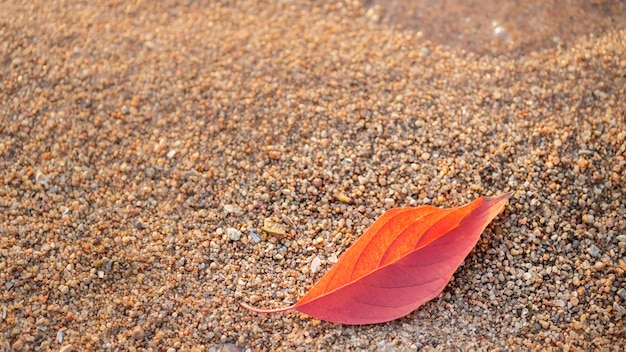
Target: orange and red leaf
{"type": "Point", "coordinates": [404, 259]}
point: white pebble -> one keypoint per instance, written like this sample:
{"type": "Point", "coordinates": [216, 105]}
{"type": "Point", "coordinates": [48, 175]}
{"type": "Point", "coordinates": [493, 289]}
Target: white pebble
{"type": "Point", "coordinates": [593, 251]}
{"type": "Point", "coordinates": [255, 237]}
{"type": "Point", "coordinates": [42, 178]}
{"type": "Point", "coordinates": [315, 264]}
{"type": "Point", "coordinates": [233, 234]}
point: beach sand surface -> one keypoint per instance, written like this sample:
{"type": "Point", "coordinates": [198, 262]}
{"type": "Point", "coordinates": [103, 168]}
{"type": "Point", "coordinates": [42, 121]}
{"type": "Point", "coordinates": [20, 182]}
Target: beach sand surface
{"type": "Point", "coordinates": [145, 145]}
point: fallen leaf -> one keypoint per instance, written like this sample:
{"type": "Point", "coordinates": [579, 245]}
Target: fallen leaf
{"type": "Point", "coordinates": [403, 260]}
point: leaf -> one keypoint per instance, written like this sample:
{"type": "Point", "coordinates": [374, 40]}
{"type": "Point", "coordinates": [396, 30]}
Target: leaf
{"type": "Point", "coordinates": [403, 260]}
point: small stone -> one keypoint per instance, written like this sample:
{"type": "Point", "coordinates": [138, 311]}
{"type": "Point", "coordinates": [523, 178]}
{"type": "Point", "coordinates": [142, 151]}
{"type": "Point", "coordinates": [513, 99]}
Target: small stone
{"type": "Point", "coordinates": [230, 347]}
{"type": "Point", "coordinates": [574, 301]}
{"type": "Point", "coordinates": [389, 202]}
{"type": "Point", "coordinates": [622, 294]}
{"type": "Point", "coordinates": [593, 251]}
{"type": "Point", "coordinates": [41, 178]}
{"type": "Point", "coordinates": [256, 238]}
{"type": "Point", "coordinates": [138, 333]}
{"type": "Point", "coordinates": [274, 154]}
{"type": "Point", "coordinates": [588, 218]}
{"type": "Point", "coordinates": [273, 228]}
{"type": "Point", "coordinates": [317, 182]}
{"type": "Point", "coordinates": [315, 264]}
{"type": "Point", "coordinates": [582, 163]}
{"type": "Point", "coordinates": [64, 289]}
{"type": "Point", "coordinates": [599, 265]}
{"type": "Point", "coordinates": [67, 348]}
{"type": "Point", "coordinates": [18, 345]}
{"type": "Point", "coordinates": [233, 234]}
{"type": "Point", "coordinates": [342, 197]}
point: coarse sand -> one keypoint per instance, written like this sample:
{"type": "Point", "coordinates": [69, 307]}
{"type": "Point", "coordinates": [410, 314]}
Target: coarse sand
{"type": "Point", "coordinates": [163, 161]}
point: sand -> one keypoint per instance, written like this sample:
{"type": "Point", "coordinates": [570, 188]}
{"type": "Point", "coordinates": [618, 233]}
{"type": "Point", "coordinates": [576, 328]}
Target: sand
{"type": "Point", "coordinates": [144, 146]}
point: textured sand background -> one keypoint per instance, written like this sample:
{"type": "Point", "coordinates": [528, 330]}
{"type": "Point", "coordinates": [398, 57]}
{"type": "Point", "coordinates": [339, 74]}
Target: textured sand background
{"type": "Point", "coordinates": [143, 145]}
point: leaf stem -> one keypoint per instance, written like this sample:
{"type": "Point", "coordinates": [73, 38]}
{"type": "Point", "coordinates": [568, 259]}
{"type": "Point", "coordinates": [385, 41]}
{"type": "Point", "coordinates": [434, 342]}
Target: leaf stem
{"type": "Point", "coordinates": [265, 311]}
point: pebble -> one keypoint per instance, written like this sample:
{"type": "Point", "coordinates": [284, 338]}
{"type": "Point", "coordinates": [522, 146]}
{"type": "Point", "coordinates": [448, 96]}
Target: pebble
{"type": "Point", "coordinates": [342, 197]}
{"type": "Point", "coordinates": [42, 178]}
{"type": "Point", "coordinates": [255, 238]}
{"type": "Point", "coordinates": [138, 333]}
{"type": "Point", "coordinates": [18, 345]}
{"type": "Point", "coordinates": [317, 182]}
{"type": "Point", "coordinates": [233, 234]}
{"type": "Point", "coordinates": [273, 228]}
{"type": "Point", "coordinates": [588, 218]}
{"type": "Point", "coordinates": [577, 325]}
{"type": "Point", "coordinates": [622, 294]}
{"type": "Point", "coordinates": [274, 154]}
{"type": "Point", "coordinates": [593, 251]}
{"type": "Point", "coordinates": [315, 264]}
{"type": "Point", "coordinates": [144, 137]}
{"type": "Point", "coordinates": [230, 347]}
{"type": "Point", "coordinates": [389, 202]}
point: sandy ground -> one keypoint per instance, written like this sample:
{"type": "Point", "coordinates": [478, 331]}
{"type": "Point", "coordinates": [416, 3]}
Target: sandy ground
{"type": "Point", "coordinates": [144, 144]}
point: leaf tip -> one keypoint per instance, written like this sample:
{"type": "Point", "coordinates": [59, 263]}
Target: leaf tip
{"type": "Point", "coordinates": [506, 195]}
{"type": "Point", "coordinates": [501, 199]}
